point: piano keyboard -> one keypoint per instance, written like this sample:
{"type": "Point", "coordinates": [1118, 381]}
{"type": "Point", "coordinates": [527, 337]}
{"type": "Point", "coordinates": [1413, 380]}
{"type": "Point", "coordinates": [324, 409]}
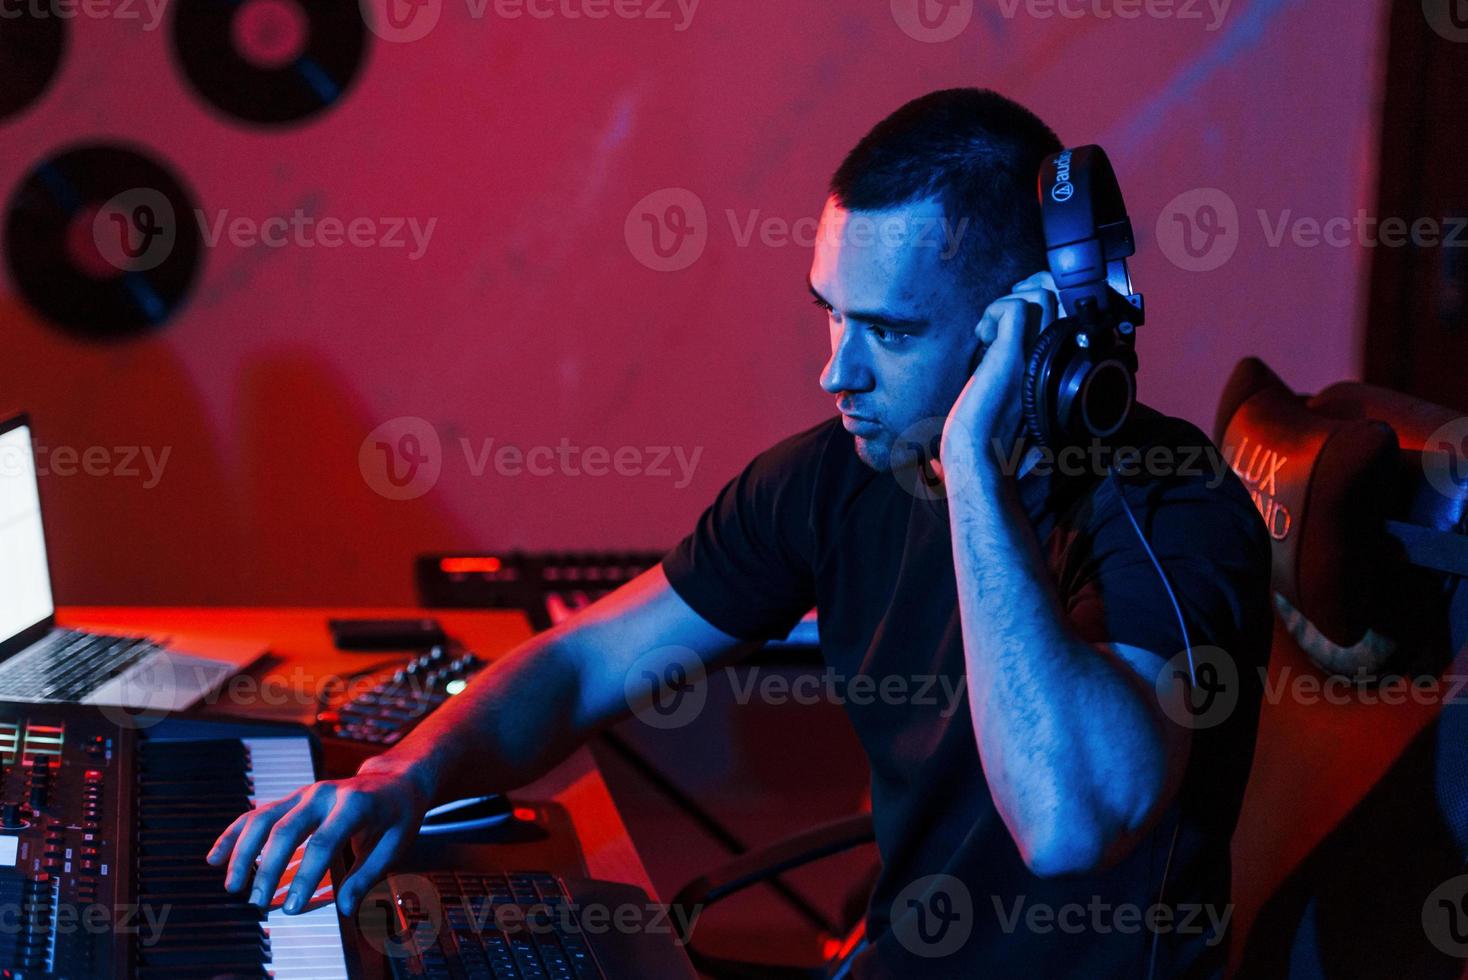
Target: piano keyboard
{"type": "Point", "coordinates": [179, 818]}
{"type": "Point", "coordinates": [307, 946]}
{"type": "Point", "coordinates": [104, 829]}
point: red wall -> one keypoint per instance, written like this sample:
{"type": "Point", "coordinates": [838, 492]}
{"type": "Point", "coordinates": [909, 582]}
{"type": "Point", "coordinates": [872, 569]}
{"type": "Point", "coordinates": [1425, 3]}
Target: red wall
{"type": "Point", "coordinates": [529, 318]}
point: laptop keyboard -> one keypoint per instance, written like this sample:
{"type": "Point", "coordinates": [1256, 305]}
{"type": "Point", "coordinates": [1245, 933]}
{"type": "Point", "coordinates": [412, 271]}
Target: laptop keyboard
{"type": "Point", "coordinates": [516, 926]}
{"type": "Point", "coordinates": [70, 664]}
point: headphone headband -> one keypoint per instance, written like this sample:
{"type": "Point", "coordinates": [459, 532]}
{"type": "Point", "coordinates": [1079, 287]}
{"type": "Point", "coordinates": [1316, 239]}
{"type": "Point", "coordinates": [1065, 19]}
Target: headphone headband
{"type": "Point", "coordinates": [1088, 235]}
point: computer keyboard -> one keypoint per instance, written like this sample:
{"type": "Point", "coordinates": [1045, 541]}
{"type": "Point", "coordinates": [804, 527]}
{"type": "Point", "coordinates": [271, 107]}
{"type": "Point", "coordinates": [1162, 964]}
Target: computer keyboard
{"type": "Point", "coordinates": [489, 926]}
{"type": "Point", "coordinates": [70, 664]}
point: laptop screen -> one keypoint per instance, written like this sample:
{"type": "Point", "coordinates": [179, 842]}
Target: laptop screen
{"type": "Point", "coordinates": [25, 581]}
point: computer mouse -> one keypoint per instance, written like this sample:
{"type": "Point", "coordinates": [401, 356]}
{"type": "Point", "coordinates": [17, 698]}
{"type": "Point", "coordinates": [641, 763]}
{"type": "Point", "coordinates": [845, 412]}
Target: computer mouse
{"type": "Point", "coordinates": [470, 813]}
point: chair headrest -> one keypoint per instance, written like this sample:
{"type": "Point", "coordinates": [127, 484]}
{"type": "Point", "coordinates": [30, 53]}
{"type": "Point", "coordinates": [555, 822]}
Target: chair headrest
{"type": "Point", "coordinates": [1327, 473]}
{"type": "Point", "coordinates": [1432, 488]}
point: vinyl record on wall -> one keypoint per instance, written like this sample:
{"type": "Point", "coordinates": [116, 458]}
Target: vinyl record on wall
{"type": "Point", "coordinates": [32, 42]}
{"type": "Point", "coordinates": [269, 62]}
{"type": "Point", "coordinates": [102, 240]}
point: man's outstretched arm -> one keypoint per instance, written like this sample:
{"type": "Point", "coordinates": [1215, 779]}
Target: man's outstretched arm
{"type": "Point", "coordinates": [516, 720]}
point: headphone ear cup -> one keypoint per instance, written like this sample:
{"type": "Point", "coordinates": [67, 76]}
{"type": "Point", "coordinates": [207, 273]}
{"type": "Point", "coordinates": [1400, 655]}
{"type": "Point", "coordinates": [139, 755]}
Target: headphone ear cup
{"type": "Point", "coordinates": [1039, 413]}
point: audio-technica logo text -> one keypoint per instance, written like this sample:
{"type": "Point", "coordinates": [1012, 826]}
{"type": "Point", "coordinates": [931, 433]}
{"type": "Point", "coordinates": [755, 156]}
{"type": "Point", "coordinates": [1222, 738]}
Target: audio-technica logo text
{"type": "Point", "coordinates": [1063, 190]}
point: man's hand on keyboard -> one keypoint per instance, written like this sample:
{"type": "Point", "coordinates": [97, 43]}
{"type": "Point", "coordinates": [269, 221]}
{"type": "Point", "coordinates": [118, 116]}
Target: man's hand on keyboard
{"type": "Point", "coordinates": [379, 809]}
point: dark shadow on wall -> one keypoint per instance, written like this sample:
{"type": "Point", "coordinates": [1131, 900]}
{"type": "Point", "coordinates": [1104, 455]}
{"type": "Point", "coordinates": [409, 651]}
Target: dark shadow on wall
{"type": "Point", "coordinates": [139, 506]}
{"type": "Point", "coordinates": [319, 533]}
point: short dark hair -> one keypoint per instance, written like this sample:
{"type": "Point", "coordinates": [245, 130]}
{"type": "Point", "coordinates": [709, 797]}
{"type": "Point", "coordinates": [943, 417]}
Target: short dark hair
{"type": "Point", "coordinates": [979, 154]}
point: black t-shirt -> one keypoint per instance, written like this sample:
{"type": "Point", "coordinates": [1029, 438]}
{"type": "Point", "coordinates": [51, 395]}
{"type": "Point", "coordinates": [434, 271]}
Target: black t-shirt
{"type": "Point", "coordinates": [807, 523]}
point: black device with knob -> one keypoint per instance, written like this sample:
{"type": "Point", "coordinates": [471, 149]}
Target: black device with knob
{"type": "Point", "coordinates": [374, 719]}
{"type": "Point", "coordinates": [546, 586]}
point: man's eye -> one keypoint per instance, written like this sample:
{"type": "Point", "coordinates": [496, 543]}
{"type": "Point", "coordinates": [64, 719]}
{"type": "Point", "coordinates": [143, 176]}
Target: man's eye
{"type": "Point", "coordinates": [827, 307]}
{"type": "Point", "coordinates": [892, 338]}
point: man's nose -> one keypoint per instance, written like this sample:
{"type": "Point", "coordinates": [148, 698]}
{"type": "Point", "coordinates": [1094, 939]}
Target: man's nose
{"type": "Point", "coordinates": [847, 370]}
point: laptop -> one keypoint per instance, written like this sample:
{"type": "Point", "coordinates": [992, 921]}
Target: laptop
{"type": "Point", "coordinates": [40, 661]}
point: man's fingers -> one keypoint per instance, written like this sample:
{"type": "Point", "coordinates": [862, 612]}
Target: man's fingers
{"type": "Point", "coordinates": [287, 835]}
{"type": "Point", "coordinates": [255, 827]}
{"type": "Point", "coordinates": [325, 817]}
{"type": "Point", "coordinates": [1040, 290]}
{"type": "Point", "coordinates": [371, 868]}
{"type": "Point", "coordinates": [1002, 329]}
{"type": "Point", "coordinates": [1047, 301]}
{"type": "Point", "coordinates": [1000, 314]}
{"type": "Point", "coordinates": [224, 845]}
{"type": "Point", "coordinates": [342, 821]}
{"type": "Point", "coordinates": [1040, 280]}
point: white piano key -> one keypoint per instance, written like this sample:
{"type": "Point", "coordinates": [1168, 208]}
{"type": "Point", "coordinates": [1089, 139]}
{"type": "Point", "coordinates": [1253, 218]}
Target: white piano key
{"type": "Point", "coordinates": [306, 946]}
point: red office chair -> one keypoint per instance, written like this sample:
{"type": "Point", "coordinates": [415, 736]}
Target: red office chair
{"type": "Point", "coordinates": [1356, 809]}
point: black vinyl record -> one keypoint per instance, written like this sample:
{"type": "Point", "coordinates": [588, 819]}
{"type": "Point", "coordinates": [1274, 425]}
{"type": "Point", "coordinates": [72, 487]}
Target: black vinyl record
{"type": "Point", "coordinates": [102, 240]}
{"type": "Point", "coordinates": [269, 62]}
{"type": "Point", "coordinates": [31, 45]}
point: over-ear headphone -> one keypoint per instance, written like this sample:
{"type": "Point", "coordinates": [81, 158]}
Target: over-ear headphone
{"type": "Point", "coordinates": [1080, 380]}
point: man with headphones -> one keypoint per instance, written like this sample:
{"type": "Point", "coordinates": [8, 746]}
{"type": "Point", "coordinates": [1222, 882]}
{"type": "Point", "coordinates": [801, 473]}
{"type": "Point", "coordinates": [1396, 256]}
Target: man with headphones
{"type": "Point", "coordinates": [1109, 629]}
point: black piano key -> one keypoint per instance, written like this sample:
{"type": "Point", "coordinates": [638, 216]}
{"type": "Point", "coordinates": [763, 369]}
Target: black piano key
{"type": "Point", "coordinates": [217, 750]}
{"type": "Point", "coordinates": [186, 945]}
{"type": "Point", "coordinates": [219, 913]}
{"type": "Point", "coordinates": [169, 847]}
{"type": "Point", "coordinates": [218, 960]}
{"type": "Point", "coordinates": [167, 864]}
{"type": "Point", "coordinates": [179, 891]}
{"type": "Point", "coordinates": [169, 835]}
{"type": "Point", "coordinates": [164, 819]}
{"type": "Point", "coordinates": [194, 792]}
{"type": "Point", "coordinates": [239, 931]}
{"type": "Point", "coordinates": [191, 972]}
